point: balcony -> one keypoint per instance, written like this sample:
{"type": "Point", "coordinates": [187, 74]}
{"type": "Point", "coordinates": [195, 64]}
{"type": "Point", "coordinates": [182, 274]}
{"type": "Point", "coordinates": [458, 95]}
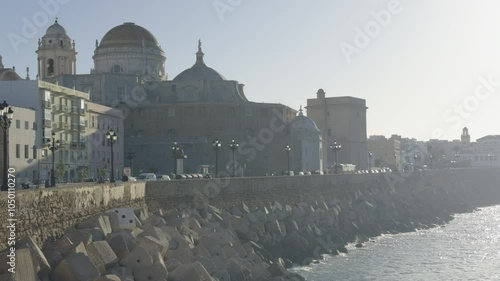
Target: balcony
{"type": "Point", "coordinates": [46, 104]}
{"type": "Point", "coordinates": [58, 127]}
{"type": "Point", "coordinates": [47, 123]}
{"type": "Point", "coordinates": [78, 145]}
{"type": "Point", "coordinates": [59, 108]}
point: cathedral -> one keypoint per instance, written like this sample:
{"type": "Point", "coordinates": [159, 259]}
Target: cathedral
{"type": "Point", "coordinates": [192, 110]}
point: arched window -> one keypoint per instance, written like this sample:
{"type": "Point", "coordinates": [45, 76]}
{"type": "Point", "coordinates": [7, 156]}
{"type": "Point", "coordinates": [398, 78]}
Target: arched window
{"type": "Point", "coordinates": [116, 69]}
{"type": "Point", "coordinates": [50, 67]}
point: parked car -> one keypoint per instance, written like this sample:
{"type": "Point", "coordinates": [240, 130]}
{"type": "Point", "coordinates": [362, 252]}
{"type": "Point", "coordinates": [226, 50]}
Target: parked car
{"type": "Point", "coordinates": [162, 177]}
{"type": "Point", "coordinates": [146, 177]}
{"type": "Point", "coordinates": [180, 177]}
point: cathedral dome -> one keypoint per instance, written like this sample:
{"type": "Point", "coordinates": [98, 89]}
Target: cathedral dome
{"type": "Point", "coordinates": [129, 34]}
{"type": "Point", "coordinates": [56, 29]}
{"type": "Point", "coordinates": [199, 71]}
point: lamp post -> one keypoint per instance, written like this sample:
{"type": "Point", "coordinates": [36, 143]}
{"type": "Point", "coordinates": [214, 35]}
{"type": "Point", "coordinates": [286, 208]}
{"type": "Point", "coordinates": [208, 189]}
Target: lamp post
{"type": "Point", "coordinates": [175, 149]}
{"type": "Point", "coordinates": [395, 161]}
{"type": "Point", "coordinates": [415, 162]}
{"type": "Point", "coordinates": [370, 154]}
{"type": "Point", "coordinates": [217, 146]}
{"type": "Point", "coordinates": [233, 146]}
{"type": "Point", "coordinates": [111, 136]}
{"type": "Point", "coordinates": [335, 147]}
{"type": "Point", "coordinates": [6, 115]}
{"type": "Point", "coordinates": [53, 147]}
{"type": "Point", "coordinates": [287, 150]}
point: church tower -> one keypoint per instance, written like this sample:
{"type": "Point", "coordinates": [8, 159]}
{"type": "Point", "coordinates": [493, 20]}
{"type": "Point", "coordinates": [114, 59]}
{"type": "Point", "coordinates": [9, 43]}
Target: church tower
{"type": "Point", "coordinates": [56, 53]}
{"type": "Point", "coordinates": [465, 137]}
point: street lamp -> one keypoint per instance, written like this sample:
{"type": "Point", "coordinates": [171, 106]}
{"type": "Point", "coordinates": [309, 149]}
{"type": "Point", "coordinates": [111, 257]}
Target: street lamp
{"type": "Point", "coordinates": [415, 162]}
{"type": "Point", "coordinates": [287, 150]}
{"type": "Point", "coordinates": [175, 149]}
{"type": "Point", "coordinates": [370, 154]}
{"type": "Point", "coordinates": [395, 161]}
{"type": "Point", "coordinates": [217, 146]}
{"type": "Point", "coordinates": [6, 115]}
{"type": "Point", "coordinates": [53, 146]}
{"type": "Point", "coordinates": [335, 147]}
{"type": "Point", "coordinates": [112, 136]}
{"type": "Point", "coordinates": [233, 146]}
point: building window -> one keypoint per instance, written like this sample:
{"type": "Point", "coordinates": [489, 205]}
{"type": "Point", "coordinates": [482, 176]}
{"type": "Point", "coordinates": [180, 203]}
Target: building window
{"type": "Point", "coordinates": [18, 124]}
{"type": "Point", "coordinates": [26, 125]}
{"type": "Point", "coordinates": [18, 151]}
{"type": "Point", "coordinates": [50, 67]}
{"type": "Point", "coordinates": [171, 112]}
{"type": "Point", "coordinates": [93, 121]}
{"type": "Point", "coordinates": [26, 151]}
{"type": "Point", "coordinates": [34, 152]}
{"type": "Point", "coordinates": [116, 69]}
{"type": "Point", "coordinates": [120, 93]}
{"type": "Point", "coordinates": [34, 126]}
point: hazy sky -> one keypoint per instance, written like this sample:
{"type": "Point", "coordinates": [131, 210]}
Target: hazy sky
{"type": "Point", "coordinates": [426, 71]}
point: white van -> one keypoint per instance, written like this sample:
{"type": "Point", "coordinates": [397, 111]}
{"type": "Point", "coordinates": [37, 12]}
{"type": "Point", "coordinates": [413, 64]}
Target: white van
{"type": "Point", "coordinates": [146, 177]}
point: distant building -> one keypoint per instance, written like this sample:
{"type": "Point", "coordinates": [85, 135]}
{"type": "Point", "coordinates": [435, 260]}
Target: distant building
{"type": "Point", "coordinates": [385, 152]}
{"type": "Point", "coordinates": [485, 152]}
{"type": "Point", "coordinates": [341, 119]}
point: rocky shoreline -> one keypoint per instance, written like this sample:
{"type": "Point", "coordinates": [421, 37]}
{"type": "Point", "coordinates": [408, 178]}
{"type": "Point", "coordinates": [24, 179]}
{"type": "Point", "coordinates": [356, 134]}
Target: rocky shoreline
{"type": "Point", "coordinates": [208, 243]}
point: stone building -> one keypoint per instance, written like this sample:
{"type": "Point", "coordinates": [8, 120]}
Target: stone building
{"type": "Point", "coordinates": [62, 111]}
{"type": "Point", "coordinates": [23, 153]}
{"type": "Point", "coordinates": [193, 109]}
{"type": "Point", "coordinates": [384, 152]}
{"type": "Point", "coordinates": [306, 144]}
{"type": "Point", "coordinates": [341, 120]}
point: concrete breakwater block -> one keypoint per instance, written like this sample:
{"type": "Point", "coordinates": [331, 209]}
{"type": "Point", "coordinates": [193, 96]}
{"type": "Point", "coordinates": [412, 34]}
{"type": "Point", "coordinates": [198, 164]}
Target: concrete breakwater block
{"type": "Point", "coordinates": [40, 263]}
{"type": "Point", "coordinates": [25, 269]}
{"type": "Point", "coordinates": [156, 272]}
{"type": "Point", "coordinates": [102, 255]}
{"type": "Point", "coordinates": [99, 221]}
{"type": "Point", "coordinates": [76, 267]}
{"type": "Point", "coordinates": [124, 273]}
{"type": "Point", "coordinates": [126, 218]}
{"type": "Point", "coordinates": [139, 257]}
{"type": "Point", "coordinates": [119, 246]}
{"type": "Point", "coordinates": [193, 272]}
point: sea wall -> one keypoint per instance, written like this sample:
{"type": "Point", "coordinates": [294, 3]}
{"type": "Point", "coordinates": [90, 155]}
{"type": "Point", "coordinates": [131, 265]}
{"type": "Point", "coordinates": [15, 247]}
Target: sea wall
{"type": "Point", "coordinates": [45, 213]}
{"type": "Point", "coordinates": [473, 184]}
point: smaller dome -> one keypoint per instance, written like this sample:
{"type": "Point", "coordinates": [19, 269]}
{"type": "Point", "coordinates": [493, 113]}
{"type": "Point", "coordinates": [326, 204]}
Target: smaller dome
{"type": "Point", "coordinates": [303, 123]}
{"type": "Point", "coordinates": [56, 29]}
{"type": "Point", "coordinates": [199, 71]}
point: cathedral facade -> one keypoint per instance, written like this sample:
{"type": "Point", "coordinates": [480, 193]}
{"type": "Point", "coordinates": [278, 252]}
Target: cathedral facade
{"type": "Point", "coordinates": [195, 108]}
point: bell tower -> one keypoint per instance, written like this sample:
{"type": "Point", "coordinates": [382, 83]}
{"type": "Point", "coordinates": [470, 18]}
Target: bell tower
{"type": "Point", "coordinates": [56, 53]}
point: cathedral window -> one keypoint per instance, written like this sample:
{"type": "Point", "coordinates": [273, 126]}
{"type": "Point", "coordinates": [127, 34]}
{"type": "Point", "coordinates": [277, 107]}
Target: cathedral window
{"type": "Point", "coordinates": [171, 112]}
{"type": "Point", "coordinates": [120, 93]}
{"type": "Point", "coordinates": [116, 69]}
{"type": "Point", "coordinates": [50, 67]}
